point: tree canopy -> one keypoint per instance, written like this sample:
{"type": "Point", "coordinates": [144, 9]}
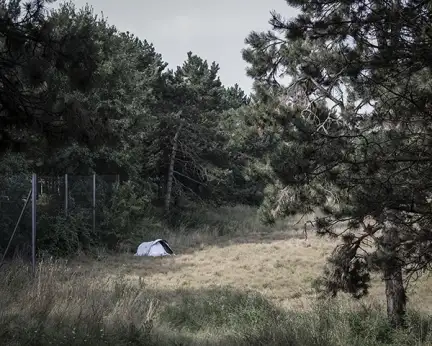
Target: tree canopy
{"type": "Point", "coordinates": [78, 96]}
{"type": "Point", "coordinates": [353, 133]}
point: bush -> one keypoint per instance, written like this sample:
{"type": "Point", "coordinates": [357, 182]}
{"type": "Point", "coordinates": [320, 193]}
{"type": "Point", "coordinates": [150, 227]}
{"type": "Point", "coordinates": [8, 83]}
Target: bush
{"type": "Point", "coordinates": [222, 220]}
{"type": "Point", "coordinates": [63, 236]}
{"type": "Point", "coordinates": [15, 185]}
{"type": "Point", "coordinates": [124, 215]}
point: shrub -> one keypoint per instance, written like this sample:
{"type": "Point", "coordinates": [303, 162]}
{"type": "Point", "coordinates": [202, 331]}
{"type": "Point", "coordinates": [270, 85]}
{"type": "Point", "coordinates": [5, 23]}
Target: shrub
{"type": "Point", "coordinates": [61, 236]}
{"type": "Point", "coordinates": [124, 214]}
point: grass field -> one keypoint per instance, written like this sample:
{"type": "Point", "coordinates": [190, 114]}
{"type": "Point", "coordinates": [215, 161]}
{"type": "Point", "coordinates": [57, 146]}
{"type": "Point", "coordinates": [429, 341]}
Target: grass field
{"type": "Point", "coordinates": [251, 286]}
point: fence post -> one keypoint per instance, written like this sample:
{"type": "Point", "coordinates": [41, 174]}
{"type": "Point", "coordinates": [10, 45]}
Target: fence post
{"type": "Point", "coordinates": [94, 203]}
{"type": "Point", "coordinates": [34, 194]}
{"type": "Point", "coordinates": [16, 228]}
{"type": "Point", "coordinates": [66, 194]}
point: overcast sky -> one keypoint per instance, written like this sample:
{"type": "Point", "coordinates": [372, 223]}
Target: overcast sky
{"type": "Point", "coordinates": [214, 30]}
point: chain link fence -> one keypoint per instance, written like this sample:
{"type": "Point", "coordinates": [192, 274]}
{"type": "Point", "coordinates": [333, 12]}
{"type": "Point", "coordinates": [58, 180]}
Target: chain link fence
{"type": "Point", "coordinates": [69, 210]}
{"type": "Point", "coordinates": [14, 191]}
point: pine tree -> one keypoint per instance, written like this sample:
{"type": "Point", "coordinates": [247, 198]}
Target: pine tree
{"type": "Point", "coordinates": [44, 72]}
{"type": "Point", "coordinates": [353, 134]}
{"type": "Point", "coordinates": [192, 163]}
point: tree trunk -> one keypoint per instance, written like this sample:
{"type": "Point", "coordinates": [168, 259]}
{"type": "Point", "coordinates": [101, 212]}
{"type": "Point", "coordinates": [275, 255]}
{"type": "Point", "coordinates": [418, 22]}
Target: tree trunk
{"type": "Point", "coordinates": [394, 286]}
{"type": "Point", "coordinates": [396, 298]}
{"type": "Point", "coordinates": [163, 161]}
{"type": "Point", "coordinates": [171, 171]}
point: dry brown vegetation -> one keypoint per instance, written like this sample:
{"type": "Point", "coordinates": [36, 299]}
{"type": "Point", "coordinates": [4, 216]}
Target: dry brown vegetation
{"type": "Point", "coordinates": [253, 286]}
{"type": "Point", "coordinates": [281, 266]}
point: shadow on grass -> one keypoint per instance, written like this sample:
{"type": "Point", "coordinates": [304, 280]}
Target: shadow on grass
{"type": "Point", "coordinates": [225, 316]}
{"type": "Point", "coordinates": [236, 225]}
{"type": "Point", "coordinates": [61, 308]}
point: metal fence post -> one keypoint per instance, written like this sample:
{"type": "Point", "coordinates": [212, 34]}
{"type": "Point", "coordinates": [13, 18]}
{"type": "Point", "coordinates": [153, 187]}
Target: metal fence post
{"type": "Point", "coordinates": [34, 194]}
{"type": "Point", "coordinates": [94, 203]}
{"type": "Point", "coordinates": [66, 191]}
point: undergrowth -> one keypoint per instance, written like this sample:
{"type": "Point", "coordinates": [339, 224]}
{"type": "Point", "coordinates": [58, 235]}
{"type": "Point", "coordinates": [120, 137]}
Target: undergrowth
{"type": "Point", "coordinates": [66, 306]}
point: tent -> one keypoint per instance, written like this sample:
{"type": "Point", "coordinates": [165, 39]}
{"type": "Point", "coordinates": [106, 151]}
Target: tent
{"type": "Point", "coordinates": [158, 247]}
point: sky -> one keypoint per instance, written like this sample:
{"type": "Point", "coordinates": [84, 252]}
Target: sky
{"type": "Point", "coordinates": [214, 30]}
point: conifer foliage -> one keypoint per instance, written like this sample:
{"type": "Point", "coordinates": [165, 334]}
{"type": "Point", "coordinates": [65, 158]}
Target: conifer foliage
{"type": "Point", "coordinates": [78, 96]}
{"type": "Point", "coordinates": [37, 60]}
{"type": "Point", "coordinates": [353, 134]}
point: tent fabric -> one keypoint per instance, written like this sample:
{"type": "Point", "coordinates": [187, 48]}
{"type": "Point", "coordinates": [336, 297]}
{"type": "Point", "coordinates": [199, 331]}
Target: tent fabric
{"type": "Point", "coordinates": [158, 247]}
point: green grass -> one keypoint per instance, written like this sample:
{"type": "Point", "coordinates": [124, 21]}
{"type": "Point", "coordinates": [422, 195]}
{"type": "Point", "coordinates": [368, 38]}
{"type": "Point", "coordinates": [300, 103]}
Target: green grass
{"type": "Point", "coordinates": [65, 306]}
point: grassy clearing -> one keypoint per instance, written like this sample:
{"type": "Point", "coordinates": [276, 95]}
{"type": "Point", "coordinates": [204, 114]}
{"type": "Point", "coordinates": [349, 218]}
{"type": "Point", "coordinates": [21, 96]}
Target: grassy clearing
{"type": "Point", "coordinates": [243, 286]}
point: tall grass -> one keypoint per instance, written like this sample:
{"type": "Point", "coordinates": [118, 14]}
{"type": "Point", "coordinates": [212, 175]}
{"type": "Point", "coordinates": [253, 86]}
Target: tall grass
{"type": "Point", "coordinates": [81, 303]}
{"type": "Point", "coordinates": [65, 305]}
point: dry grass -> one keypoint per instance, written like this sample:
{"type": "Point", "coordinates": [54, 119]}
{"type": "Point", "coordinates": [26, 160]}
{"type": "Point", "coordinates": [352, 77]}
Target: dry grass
{"type": "Point", "coordinates": [124, 299]}
{"type": "Point", "coordinates": [281, 266]}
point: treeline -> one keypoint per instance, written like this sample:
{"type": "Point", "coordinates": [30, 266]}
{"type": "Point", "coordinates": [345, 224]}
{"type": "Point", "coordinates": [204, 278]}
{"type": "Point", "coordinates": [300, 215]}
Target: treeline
{"type": "Point", "coordinates": [80, 97]}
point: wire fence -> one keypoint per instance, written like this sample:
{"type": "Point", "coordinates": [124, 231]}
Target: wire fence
{"type": "Point", "coordinates": [71, 194]}
{"type": "Point", "coordinates": [14, 191]}
{"type": "Point", "coordinates": [57, 198]}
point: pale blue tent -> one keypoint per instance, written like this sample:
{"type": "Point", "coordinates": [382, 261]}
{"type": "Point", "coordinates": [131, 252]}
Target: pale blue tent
{"type": "Point", "coordinates": [158, 247]}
